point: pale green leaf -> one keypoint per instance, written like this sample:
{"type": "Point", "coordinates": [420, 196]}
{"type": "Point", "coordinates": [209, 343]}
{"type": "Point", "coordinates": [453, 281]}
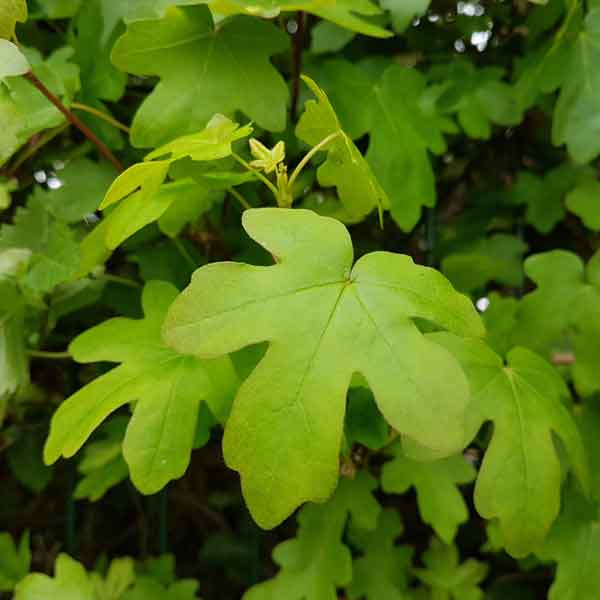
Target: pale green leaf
{"type": "Point", "coordinates": [203, 71]}
{"type": "Point", "coordinates": [168, 387]}
{"type": "Point", "coordinates": [320, 313]}
{"type": "Point", "coordinates": [345, 168]}
{"type": "Point", "coordinates": [441, 504]}
{"type": "Point", "coordinates": [519, 480]}
{"type": "Point", "coordinates": [70, 582]}
{"type": "Point", "coordinates": [11, 13]}
{"type": "Point", "coordinates": [12, 60]}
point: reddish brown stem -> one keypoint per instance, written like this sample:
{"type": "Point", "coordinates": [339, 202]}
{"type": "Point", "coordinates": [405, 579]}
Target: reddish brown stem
{"type": "Point", "coordinates": [74, 120]}
{"type": "Point", "coordinates": [297, 47]}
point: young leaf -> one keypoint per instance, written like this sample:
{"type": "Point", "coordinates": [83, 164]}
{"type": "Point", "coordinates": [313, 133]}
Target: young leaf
{"type": "Point", "coordinates": [11, 13]}
{"type": "Point", "coordinates": [447, 578]}
{"type": "Point", "coordinates": [345, 167]}
{"type": "Point", "coordinates": [316, 562]}
{"type": "Point", "coordinates": [203, 71]}
{"type": "Point", "coordinates": [168, 388]}
{"type": "Point", "coordinates": [519, 480]}
{"type": "Point", "coordinates": [12, 61]}
{"type": "Point", "coordinates": [440, 501]}
{"type": "Point", "coordinates": [70, 581]}
{"type": "Point", "coordinates": [575, 120]}
{"type": "Point", "coordinates": [382, 572]}
{"type": "Point", "coordinates": [14, 561]}
{"type": "Point", "coordinates": [320, 314]}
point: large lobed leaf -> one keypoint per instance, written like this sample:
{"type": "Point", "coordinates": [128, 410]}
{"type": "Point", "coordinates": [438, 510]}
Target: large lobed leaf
{"type": "Point", "coordinates": [168, 387]}
{"type": "Point", "coordinates": [325, 320]}
{"type": "Point", "coordinates": [203, 70]}
{"type": "Point", "coordinates": [520, 478]}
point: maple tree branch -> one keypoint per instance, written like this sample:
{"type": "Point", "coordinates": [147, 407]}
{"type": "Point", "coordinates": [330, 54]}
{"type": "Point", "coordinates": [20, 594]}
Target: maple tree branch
{"type": "Point", "coordinates": [74, 120]}
{"type": "Point", "coordinates": [297, 47]}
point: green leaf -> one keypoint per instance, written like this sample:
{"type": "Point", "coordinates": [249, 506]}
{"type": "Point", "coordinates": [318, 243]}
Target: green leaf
{"type": "Point", "coordinates": [348, 14]}
{"type": "Point", "coordinates": [25, 460]}
{"type": "Point", "coordinates": [519, 480]}
{"type": "Point", "coordinates": [119, 578]}
{"type": "Point", "coordinates": [544, 196]}
{"type": "Point", "coordinates": [168, 387]}
{"type": "Point", "coordinates": [320, 313]}
{"type": "Point", "coordinates": [576, 114]}
{"type": "Point", "coordinates": [24, 111]}
{"type": "Point", "coordinates": [149, 589]}
{"type": "Point", "coordinates": [54, 252]}
{"type": "Point", "coordinates": [14, 561]}
{"type": "Point", "coordinates": [497, 258]}
{"type": "Point", "coordinates": [364, 423]}
{"type": "Point", "coordinates": [441, 504]}
{"type": "Point", "coordinates": [345, 168]}
{"type": "Point", "coordinates": [400, 127]}
{"type": "Point", "coordinates": [584, 201]}
{"type": "Point", "coordinates": [447, 577]}
{"type": "Point", "coordinates": [70, 582]}
{"type": "Point", "coordinates": [11, 13]}
{"type": "Point", "coordinates": [404, 11]}
{"type": "Point", "coordinates": [84, 184]}
{"type": "Point", "coordinates": [102, 465]}
{"type": "Point", "coordinates": [574, 543]}
{"type": "Point", "coordinates": [203, 71]}
{"type": "Point", "coordinates": [479, 97]}
{"type": "Point", "coordinates": [329, 37]}
{"type": "Point", "coordinates": [382, 572]}
{"type": "Point", "coordinates": [316, 562]}
{"type": "Point", "coordinates": [12, 61]}
{"type": "Point", "coordinates": [500, 322]}
{"type": "Point", "coordinates": [14, 368]}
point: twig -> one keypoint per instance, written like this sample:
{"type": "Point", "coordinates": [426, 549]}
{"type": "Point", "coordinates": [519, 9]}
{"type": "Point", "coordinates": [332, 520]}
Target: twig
{"type": "Point", "coordinates": [245, 204]}
{"type": "Point", "coordinates": [52, 355]}
{"type": "Point", "coordinates": [30, 150]}
{"type": "Point", "coordinates": [74, 120]}
{"type": "Point", "coordinates": [297, 47]}
{"type": "Point", "coordinates": [98, 113]}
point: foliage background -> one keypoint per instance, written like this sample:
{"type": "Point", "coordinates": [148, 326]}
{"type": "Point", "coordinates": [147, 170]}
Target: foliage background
{"type": "Point", "coordinates": [480, 122]}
